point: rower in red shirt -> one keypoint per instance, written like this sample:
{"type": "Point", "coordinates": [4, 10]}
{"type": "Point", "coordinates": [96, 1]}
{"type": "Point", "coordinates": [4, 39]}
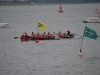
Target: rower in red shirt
{"type": "Point", "coordinates": [26, 36]}
{"type": "Point", "coordinates": [33, 36]}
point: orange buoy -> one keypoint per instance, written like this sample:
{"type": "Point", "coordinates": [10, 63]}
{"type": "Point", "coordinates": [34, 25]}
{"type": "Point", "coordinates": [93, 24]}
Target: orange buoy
{"type": "Point", "coordinates": [37, 41]}
{"type": "Point", "coordinates": [80, 53]}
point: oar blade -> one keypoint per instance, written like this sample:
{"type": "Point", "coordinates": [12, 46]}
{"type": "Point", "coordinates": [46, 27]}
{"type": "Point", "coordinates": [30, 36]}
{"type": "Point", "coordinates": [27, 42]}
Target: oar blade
{"type": "Point", "coordinates": [16, 37]}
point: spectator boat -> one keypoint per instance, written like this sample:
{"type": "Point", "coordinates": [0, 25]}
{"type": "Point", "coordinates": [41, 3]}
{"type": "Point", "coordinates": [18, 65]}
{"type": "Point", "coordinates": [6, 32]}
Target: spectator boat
{"type": "Point", "coordinates": [3, 25]}
{"type": "Point", "coordinates": [95, 19]}
{"type": "Point", "coordinates": [92, 20]}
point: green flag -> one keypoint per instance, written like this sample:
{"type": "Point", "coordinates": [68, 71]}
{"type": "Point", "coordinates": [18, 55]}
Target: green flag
{"type": "Point", "coordinates": [90, 33]}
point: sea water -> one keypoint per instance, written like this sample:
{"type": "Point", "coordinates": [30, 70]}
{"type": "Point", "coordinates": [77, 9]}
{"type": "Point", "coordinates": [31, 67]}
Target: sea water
{"type": "Point", "coordinates": [51, 57]}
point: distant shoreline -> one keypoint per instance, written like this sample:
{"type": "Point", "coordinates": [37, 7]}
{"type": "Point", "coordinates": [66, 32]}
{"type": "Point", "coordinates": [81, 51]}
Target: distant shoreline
{"type": "Point", "coordinates": [3, 4]}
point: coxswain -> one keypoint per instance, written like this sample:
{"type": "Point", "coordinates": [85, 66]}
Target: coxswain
{"type": "Point", "coordinates": [68, 33]}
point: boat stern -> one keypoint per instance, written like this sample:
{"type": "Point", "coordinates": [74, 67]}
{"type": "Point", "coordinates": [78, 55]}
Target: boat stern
{"type": "Point", "coordinates": [85, 21]}
{"type": "Point", "coordinates": [3, 25]}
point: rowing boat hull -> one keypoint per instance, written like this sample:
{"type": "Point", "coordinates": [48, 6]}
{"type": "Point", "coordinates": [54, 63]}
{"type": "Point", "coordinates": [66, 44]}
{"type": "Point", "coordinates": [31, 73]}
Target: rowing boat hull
{"type": "Point", "coordinates": [35, 38]}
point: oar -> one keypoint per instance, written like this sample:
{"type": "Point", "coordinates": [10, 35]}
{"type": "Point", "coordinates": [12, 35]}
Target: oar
{"type": "Point", "coordinates": [79, 35]}
{"type": "Point", "coordinates": [75, 34]}
{"type": "Point", "coordinates": [16, 37]}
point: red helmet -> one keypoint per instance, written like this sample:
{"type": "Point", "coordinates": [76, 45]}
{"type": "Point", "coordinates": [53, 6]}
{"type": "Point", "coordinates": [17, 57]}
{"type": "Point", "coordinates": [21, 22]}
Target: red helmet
{"type": "Point", "coordinates": [68, 30]}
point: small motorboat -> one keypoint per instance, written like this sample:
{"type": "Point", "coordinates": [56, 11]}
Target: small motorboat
{"type": "Point", "coordinates": [91, 20]}
{"type": "Point", "coordinates": [3, 25]}
{"type": "Point", "coordinates": [95, 19]}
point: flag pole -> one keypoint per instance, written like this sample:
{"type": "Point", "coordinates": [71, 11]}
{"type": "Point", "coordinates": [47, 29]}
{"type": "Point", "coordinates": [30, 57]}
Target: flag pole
{"type": "Point", "coordinates": [37, 29]}
{"type": "Point", "coordinates": [80, 53]}
{"type": "Point", "coordinates": [36, 40]}
{"type": "Point", "coordinates": [81, 45]}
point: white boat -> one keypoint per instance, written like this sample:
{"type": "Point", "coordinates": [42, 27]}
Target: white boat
{"type": "Point", "coordinates": [3, 25]}
{"type": "Point", "coordinates": [92, 20]}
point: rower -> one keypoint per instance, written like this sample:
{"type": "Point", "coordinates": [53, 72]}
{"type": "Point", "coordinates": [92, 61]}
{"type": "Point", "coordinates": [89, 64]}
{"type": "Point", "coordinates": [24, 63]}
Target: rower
{"type": "Point", "coordinates": [44, 35]}
{"type": "Point", "coordinates": [33, 36]}
{"type": "Point", "coordinates": [26, 36]}
{"type": "Point", "coordinates": [22, 38]}
{"type": "Point", "coordinates": [59, 34]}
{"type": "Point", "coordinates": [37, 36]}
{"type": "Point", "coordinates": [53, 33]}
{"type": "Point", "coordinates": [48, 35]}
{"type": "Point", "coordinates": [64, 35]}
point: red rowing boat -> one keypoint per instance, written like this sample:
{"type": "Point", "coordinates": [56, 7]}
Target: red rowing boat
{"type": "Point", "coordinates": [42, 37]}
{"type": "Point", "coordinates": [26, 37]}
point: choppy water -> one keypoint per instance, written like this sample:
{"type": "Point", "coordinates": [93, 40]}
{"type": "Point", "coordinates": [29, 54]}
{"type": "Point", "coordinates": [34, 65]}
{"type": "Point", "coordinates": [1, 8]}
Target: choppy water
{"type": "Point", "coordinates": [56, 57]}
